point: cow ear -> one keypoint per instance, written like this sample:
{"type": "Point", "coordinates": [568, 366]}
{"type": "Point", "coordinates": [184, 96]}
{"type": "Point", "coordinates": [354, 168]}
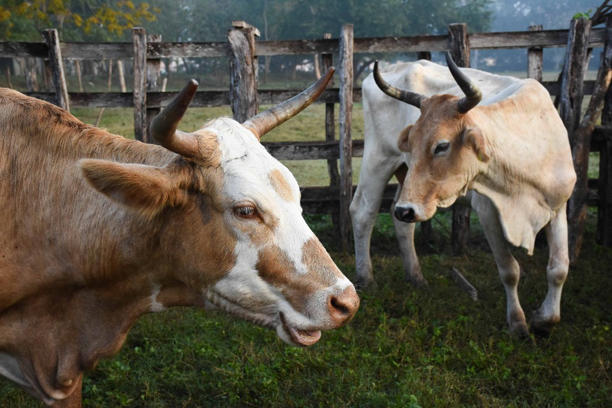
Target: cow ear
{"type": "Point", "coordinates": [402, 141]}
{"type": "Point", "coordinates": [473, 138]}
{"type": "Point", "coordinates": [147, 189]}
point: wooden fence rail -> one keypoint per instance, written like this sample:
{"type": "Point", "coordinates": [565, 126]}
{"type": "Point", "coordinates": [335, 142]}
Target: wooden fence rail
{"type": "Point", "coordinates": [147, 99]}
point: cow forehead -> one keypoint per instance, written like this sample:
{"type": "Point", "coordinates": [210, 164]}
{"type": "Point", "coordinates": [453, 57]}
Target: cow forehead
{"type": "Point", "coordinates": [249, 170]}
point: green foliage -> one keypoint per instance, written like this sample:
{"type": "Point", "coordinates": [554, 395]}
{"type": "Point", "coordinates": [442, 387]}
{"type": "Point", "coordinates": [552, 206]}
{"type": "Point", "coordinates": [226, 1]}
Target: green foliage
{"type": "Point", "coordinates": [585, 14]}
{"type": "Point", "coordinates": [80, 20]}
{"type": "Point", "coordinates": [204, 20]}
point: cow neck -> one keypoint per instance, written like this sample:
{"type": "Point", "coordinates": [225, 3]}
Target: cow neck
{"type": "Point", "coordinates": [522, 157]}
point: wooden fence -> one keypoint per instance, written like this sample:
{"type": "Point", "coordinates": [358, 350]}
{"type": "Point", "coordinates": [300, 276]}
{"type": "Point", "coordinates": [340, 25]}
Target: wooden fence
{"type": "Point", "coordinates": [243, 49]}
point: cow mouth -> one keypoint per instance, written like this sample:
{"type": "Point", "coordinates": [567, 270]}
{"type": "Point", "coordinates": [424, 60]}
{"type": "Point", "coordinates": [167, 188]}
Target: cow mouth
{"type": "Point", "coordinates": [300, 337]}
{"type": "Point", "coordinates": [235, 309]}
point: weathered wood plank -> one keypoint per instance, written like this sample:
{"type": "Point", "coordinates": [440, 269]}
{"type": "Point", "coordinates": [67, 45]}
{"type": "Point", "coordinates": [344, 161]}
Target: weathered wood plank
{"type": "Point", "coordinates": [189, 49]}
{"type": "Point", "coordinates": [243, 73]}
{"type": "Point", "coordinates": [330, 137]}
{"type": "Point", "coordinates": [535, 57]}
{"type": "Point", "coordinates": [97, 50]}
{"type": "Point", "coordinates": [153, 74]}
{"type": "Point", "coordinates": [311, 150]}
{"type": "Point", "coordinates": [572, 76]}
{"type": "Point", "coordinates": [12, 49]}
{"type": "Point", "coordinates": [156, 99]}
{"type": "Point", "coordinates": [345, 117]}
{"type": "Point", "coordinates": [460, 51]}
{"type": "Point", "coordinates": [57, 67]}
{"type": "Point", "coordinates": [526, 39]}
{"type": "Point", "coordinates": [139, 38]}
{"type": "Point", "coordinates": [577, 205]}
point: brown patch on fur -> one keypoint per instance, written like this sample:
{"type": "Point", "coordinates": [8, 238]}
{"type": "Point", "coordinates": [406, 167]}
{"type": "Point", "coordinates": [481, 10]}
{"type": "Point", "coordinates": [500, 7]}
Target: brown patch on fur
{"type": "Point", "coordinates": [319, 263]}
{"type": "Point", "coordinates": [280, 185]}
{"type": "Point", "coordinates": [209, 148]}
{"type": "Point", "coordinates": [275, 267]}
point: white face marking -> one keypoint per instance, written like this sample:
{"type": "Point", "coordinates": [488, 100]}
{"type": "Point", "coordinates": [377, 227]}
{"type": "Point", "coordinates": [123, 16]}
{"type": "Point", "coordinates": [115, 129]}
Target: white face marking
{"type": "Point", "coordinates": [246, 172]}
{"type": "Point", "coordinates": [247, 167]}
{"type": "Point", "coordinates": [155, 305]}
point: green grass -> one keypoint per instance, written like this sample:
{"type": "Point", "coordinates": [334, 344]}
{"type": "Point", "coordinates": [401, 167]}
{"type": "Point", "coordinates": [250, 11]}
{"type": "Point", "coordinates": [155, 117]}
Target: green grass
{"type": "Point", "coordinates": [405, 347]}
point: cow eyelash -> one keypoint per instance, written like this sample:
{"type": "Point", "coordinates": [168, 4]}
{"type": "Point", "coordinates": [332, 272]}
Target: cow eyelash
{"type": "Point", "coordinates": [246, 211]}
{"type": "Point", "coordinates": [441, 148]}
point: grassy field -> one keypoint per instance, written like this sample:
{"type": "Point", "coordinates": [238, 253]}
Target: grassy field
{"type": "Point", "coordinates": [405, 347]}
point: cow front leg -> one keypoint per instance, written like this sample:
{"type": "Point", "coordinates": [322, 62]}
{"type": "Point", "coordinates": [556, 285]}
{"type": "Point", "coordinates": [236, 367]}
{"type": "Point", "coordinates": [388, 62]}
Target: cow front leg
{"type": "Point", "coordinates": [549, 313]}
{"type": "Point", "coordinates": [364, 209]}
{"type": "Point", "coordinates": [507, 266]}
{"type": "Point", "coordinates": [404, 231]}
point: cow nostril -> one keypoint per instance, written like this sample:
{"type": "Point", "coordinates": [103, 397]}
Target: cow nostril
{"type": "Point", "coordinates": [338, 306]}
{"type": "Point", "coordinates": [405, 214]}
{"type": "Point", "coordinates": [343, 306]}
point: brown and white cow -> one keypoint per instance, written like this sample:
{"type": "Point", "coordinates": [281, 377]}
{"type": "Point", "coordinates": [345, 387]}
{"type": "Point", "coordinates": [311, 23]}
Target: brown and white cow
{"type": "Point", "coordinates": [510, 151]}
{"type": "Point", "coordinates": [99, 229]}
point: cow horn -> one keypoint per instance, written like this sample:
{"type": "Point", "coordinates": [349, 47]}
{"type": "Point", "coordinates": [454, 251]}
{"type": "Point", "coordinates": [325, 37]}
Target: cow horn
{"type": "Point", "coordinates": [472, 93]}
{"type": "Point", "coordinates": [412, 98]}
{"type": "Point", "coordinates": [163, 126]}
{"type": "Point", "coordinates": [265, 121]}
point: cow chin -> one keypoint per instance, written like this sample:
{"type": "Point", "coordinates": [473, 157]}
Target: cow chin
{"type": "Point", "coordinates": [285, 329]}
{"type": "Point", "coordinates": [447, 202]}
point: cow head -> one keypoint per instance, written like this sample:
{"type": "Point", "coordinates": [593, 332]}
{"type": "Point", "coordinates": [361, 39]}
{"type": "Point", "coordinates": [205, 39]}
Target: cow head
{"type": "Point", "coordinates": [446, 147]}
{"type": "Point", "coordinates": [231, 223]}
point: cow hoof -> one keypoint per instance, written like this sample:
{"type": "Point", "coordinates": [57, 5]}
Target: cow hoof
{"type": "Point", "coordinates": [542, 327]}
{"type": "Point", "coordinates": [520, 331]}
{"type": "Point", "coordinates": [419, 283]}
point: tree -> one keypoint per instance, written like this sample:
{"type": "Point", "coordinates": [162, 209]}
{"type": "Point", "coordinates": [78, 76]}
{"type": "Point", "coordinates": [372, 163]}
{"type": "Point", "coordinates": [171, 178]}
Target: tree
{"type": "Point", "coordinates": [77, 20]}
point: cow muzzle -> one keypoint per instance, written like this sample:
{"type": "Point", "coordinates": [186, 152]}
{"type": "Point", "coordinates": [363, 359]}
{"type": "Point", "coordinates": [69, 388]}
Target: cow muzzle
{"type": "Point", "coordinates": [343, 306]}
{"type": "Point", "coordinates": [409, 212]}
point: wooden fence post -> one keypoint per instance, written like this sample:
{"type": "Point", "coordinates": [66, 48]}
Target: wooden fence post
{"type": "Point", "coordinates": [153, 73]}
{"type": "Point", "coordinates": [139, 41]}
{"type": "Point", "coordinates": [425, 226]}
{"type": "Point", "coordinates": [121, 73]}
{"type": "Point", "coordinates": [577, 205]}
{"type": "Point", "coordinates": [460, 51]}
{"type": "Point", "coordinates": [604, 214]}
{"type": "Point", "coordinates": [534, 58]}
{"type": "Point", "coordinates": [330, 136]}
{"type": "Point", "coordinates": [57, 66]}
{"type": "Point", "coordinates": [572, 76]}
{"type": "Point", "coordinates": [345, 117]}
{"type": "Point", "coordinates": [77, 67]}
{"type": "Point", "coordinates": [571, 94]}
{"type": "Point", "coordinates": [243, 70]}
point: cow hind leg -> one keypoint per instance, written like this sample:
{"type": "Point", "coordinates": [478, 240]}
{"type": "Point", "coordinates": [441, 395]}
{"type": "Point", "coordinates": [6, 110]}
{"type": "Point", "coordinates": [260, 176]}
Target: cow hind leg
{"type": "Point", "coordinates": [364, 209]}
{"type": "Point", "coordinates": [404, 232]}
{"type": "Point", "coordinates": [549, 312]}
{"type": "Point", "coordinates": [507, 266]}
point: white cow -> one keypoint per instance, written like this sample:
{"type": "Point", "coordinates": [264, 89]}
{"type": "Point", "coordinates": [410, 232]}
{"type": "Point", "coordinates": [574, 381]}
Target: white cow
{"type": "Point", "coordinates": [511, 152]}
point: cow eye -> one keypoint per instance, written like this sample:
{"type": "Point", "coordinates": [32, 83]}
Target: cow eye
{"type": "Point", "coordinates": [245, 211]}
{"type": "Point", "coordinates": [441, 148]}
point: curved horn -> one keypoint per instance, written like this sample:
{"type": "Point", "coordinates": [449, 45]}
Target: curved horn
{"type": "Point", "coordinates": [412, 98]}
{"type": "Point", "coordinates": [163, 126]}
{"type": "Point", "coordinates": [265, 121]}
{"type": "Point", "coordinates": [472, 93]}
